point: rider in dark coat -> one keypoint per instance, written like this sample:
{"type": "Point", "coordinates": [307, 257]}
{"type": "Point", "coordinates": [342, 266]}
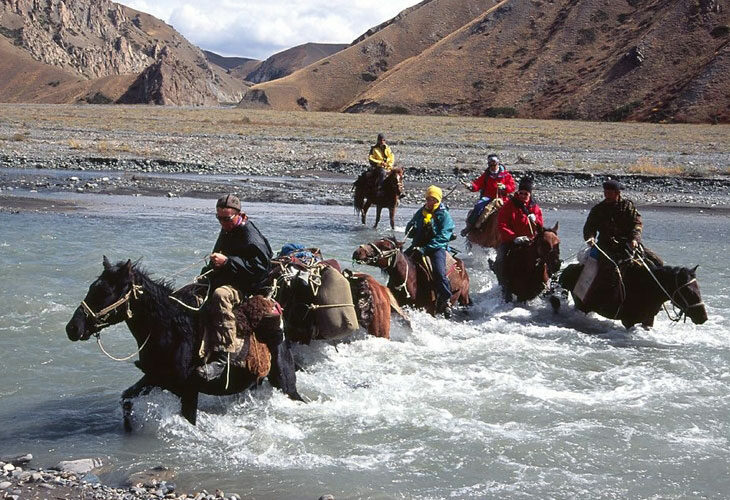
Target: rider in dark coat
{"type": "Point", "coordinates": [431, 229]}
{"type": "Point", "coordinates": [240, 261]}
{"type": "Point", "coordinates": [616, 221]}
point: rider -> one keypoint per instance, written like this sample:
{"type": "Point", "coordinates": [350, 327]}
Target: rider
{"type": "Point", "coordinates": [516, 221]}
{"type": "Point", "coordinates": [240, 263]}
{"type": "Point", "coordinates": [617, 223]}
{"type": "Point", "coordinates": [431, 229]}
{"type": "Point", "coordinates": [494, 182]}
{"type": "Point", "coordinates": [381, 160]}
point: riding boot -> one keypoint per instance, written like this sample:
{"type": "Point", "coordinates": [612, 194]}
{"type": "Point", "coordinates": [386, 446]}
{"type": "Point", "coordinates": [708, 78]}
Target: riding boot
{"type": "Point", "coordinates": [215, 367]}
{"type": "Point", "coordinates": [443, 306]}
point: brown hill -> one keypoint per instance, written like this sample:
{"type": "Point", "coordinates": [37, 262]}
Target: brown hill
{"type": "Point", "coordinates": [95, 39]}
{"type": "Point", "coordinates": [333, 82]}
{"type": "Point", "coordinates": [288, 61]}
{"type": "Point", "coordinates": [641, 60]}
{"type": "Point", "coordinates": [237, 67]}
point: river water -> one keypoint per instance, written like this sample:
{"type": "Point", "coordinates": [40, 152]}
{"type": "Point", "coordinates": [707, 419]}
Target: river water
{"type": "Point", "coordinates": [502, 401]}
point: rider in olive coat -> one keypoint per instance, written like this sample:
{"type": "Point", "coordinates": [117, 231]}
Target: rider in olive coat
{"type": "Point", "coordinates": [431, 229]}
{"type": "Point", "coordinates": [616, 221]}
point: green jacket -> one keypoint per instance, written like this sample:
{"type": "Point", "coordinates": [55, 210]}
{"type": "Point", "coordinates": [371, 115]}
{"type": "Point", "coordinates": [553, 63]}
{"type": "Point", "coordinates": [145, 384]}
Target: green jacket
{"type": "Point", "coordinates": [618, 221]}
{"type": "Point", "coordinates": [433, 236]}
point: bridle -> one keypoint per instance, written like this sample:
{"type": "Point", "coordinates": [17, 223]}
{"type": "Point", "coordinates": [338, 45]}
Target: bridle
{"type": "Point", "coordinates": [683, 308]}
{"type": "Point", "coordinates": [392, 260]}
{"type": "Point", "coordinates": [100, 320]}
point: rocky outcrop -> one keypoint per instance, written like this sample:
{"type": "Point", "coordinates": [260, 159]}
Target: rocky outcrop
{"type": "Point", "coordinates": [170, 81]}
{"type": "Point", "coordinates": [98, 39]}
{"type": "Point", "coordinates": [288, 61]}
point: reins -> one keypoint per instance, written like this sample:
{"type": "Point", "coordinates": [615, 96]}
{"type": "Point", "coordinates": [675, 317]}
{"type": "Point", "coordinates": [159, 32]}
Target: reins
{"type": "Point", "coordinates": [675, 305]}
{"type": "Point", "coordinates": [392, 263]}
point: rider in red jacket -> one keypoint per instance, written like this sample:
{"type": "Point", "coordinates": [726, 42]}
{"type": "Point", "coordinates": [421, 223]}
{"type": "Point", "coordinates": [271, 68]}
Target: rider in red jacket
{"type": "Point", "coordinates": [495, 182]}
{"type": "Point", "coordinates": [517, 222]}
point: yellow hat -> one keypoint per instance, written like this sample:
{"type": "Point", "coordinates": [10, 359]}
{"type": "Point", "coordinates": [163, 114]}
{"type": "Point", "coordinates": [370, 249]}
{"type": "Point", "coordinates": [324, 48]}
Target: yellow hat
{"type": "Point", "coordinates": [435, 192]}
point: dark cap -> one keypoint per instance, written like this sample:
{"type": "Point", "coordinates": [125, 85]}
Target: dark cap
{"type": "Point", "coordinates": [381, 137]}
{"type": "Point", "coordinates": [229, 201]}
{"type": "Point", "coordinates": [612, 184]}
{"type": "Point", "coordinates": [492, 157]}
{"type": "Point", "coordinates": [526, 184]}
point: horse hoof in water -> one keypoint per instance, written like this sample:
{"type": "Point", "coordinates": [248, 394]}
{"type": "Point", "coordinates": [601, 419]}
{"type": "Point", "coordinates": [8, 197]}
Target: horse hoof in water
{"type": "Point", "coordinates": [127, 415]}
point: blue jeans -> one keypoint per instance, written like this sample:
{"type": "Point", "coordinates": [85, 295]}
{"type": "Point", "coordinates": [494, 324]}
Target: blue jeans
{"type": "Point", "coordinates": [440, 281]}
{"type": "Point", "coordinates": [477, 211]}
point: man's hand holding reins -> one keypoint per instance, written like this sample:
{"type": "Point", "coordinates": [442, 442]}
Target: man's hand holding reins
{"type": "Point", "coordinates": [218, 260]}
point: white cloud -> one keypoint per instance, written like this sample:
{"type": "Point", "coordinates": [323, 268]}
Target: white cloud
{"type": "Point", "coordinates": [256, 28]}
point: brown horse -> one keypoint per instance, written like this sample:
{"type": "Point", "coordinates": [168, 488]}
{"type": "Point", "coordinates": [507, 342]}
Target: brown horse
{"type": "Point", "coordinates": [639, 292]}
{"type": "Point", "coordinates": [528, 268]}
{"type": "Point", "coordinates": [366, 194]}
{"type": "Point", "coordinates": [407, 279]}
{"type": "Point", "coordinates": [373, 303]}
{"type": "Point", "coordinates": [486, 233]}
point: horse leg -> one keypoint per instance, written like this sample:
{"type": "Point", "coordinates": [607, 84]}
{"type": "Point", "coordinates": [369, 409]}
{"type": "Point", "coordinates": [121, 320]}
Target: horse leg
{"type": "Point", "coordinates": [189, 403]}
{"type": "Point", "coordinates": [391, 213]}
{"type": "Point", "coordinates": [282, 374]}
{"type": "Point", "coordinates": [378, 209]}
{"type": "Point", "coordinates": [364, 211]}
{"type": "Point", "coordinates": [141, 387]}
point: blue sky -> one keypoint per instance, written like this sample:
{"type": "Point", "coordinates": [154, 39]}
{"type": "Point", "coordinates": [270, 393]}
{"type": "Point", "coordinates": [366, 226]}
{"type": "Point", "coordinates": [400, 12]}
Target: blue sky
{"type": "Point", "coordinates": [258, 29]}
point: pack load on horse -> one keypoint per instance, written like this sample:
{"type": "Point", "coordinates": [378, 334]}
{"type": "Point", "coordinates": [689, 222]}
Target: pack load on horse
{"type": "Point", "coordinates": [169, 333]}
{"type": "Point", "coordinates": [381, 185]}
{"type": "Point", "coordinates": [316, 297]}
{"type": "Point", "coordinates": [615, 270]}
{"type": "Point", "coordinates": [428, 275]}
{"type": "Point", "coordinates": [528, 254]}
{"type": "Point", "coordinates": [495, 186]}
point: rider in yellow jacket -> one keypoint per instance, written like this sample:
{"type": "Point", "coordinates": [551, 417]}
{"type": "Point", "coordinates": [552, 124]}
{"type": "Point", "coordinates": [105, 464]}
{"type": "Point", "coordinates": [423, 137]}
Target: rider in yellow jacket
{"type": "Point", "coordinates": [381, 160]}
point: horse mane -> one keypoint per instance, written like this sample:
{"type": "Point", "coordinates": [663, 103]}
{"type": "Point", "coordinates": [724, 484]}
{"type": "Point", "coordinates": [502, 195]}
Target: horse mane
{"type": "Point", "coordinates": [158, 291]}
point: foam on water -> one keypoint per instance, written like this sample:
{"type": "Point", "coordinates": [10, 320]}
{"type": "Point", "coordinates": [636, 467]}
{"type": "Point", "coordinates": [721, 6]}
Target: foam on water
{"type": "Point", "coordinates": [501, 400]}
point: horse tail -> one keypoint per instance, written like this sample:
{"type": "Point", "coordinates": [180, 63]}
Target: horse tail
{"type": "Point", "coordinates": [360, 188]}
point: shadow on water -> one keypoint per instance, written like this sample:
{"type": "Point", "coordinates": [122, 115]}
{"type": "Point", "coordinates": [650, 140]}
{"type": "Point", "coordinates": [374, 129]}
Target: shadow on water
{"type": "Point", "coordinates": [92, 414]}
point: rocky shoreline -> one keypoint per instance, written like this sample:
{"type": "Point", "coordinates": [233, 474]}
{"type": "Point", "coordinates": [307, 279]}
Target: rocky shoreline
{"type": "Point", "coordinates": [77, 479]}
{"type": "Point", "coordinates": [327, 184]}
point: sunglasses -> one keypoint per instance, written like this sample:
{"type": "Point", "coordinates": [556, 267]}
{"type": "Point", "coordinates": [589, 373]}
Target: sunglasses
{"type": "Point", "coordinates": [226, 218]}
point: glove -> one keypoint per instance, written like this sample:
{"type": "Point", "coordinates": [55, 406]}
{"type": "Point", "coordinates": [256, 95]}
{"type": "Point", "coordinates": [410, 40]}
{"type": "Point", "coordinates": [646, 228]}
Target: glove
{"type": "Point", "coordinates": [590, 242]}
{"type": "Point", "coordinates": [633, 244]}
{"type": "Point", "coordinates": [532, 218]}
{"type": "Point", "coordinates": [522, 240]}
{"type": "Point", "coordinates": [501, 186]}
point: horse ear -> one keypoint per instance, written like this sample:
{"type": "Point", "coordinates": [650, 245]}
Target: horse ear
{"type": "Point", "coordinates": [107, 264]}
{"type": "Point", "coordinates": [555, 227]}
{"type": "Point", "coordinates": [127, 268]}
{"type": "Point", "coordinates": [694, 269]}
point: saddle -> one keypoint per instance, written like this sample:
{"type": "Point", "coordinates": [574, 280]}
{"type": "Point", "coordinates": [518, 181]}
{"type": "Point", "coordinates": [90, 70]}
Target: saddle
{"type": "Point", "coordinates": [258, 320]}
{"type": "Point", "coordinates": [424, 268]}
{"type": "Point", "coordinates": [491, 208]}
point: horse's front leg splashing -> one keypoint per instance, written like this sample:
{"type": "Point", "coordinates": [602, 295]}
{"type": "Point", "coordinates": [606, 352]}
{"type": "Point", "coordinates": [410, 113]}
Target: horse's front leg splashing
{"type": "Point", "coordinates": [141, 387]}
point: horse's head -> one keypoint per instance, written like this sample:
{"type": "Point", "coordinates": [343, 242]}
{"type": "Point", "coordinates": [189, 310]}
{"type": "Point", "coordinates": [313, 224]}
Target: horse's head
{"type": "Point", "coordinates": [686, 295]}
{"type": "Point", "coordinates": [547, 245]}
{"type": "Point", "coordinates": [378, 253]}
{"type": "Point", "coordinates": [106, 303]}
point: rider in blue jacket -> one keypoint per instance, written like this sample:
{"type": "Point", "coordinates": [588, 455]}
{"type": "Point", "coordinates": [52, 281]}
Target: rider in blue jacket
{"type": "Point", "coordinates": [431, 229]}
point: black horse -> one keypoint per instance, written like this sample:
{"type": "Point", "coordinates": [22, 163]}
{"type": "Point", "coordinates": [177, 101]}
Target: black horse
{"type": "Point", "coordinates": [633, 294]}
{"type": "Point", "coordinates": [168, 337]}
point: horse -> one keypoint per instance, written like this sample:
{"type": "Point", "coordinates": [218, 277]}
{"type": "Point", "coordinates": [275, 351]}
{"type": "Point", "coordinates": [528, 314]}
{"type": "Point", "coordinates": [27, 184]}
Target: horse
{"type": "Point", "coordinates": [406, 280]}
{"type": "Point", "coordinates": [640, 291]}
{"type": "Point", "coordinates": [528, 268]}
{"type": "Point", "coordinates": [366, 194]}
{"type": "Point", "coordinates": [486, 232]}
{"type": "Point", "coordinates": [319, 300]}
{"type": "Point", "coordinates": [168, 337]}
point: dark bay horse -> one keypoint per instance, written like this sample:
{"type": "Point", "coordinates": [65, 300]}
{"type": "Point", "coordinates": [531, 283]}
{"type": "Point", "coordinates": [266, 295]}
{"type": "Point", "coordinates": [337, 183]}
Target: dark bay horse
{"type": "Point", "coordinates": [406, 281]}
{"type": "Point", "coordinates": [640, 292]}
{"type": "Point", "coordinates": [528, 268]}
{"type": "Point", "coordinates": [169, 336]}
{"type": "Point", "coordinates": [366, 194]}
